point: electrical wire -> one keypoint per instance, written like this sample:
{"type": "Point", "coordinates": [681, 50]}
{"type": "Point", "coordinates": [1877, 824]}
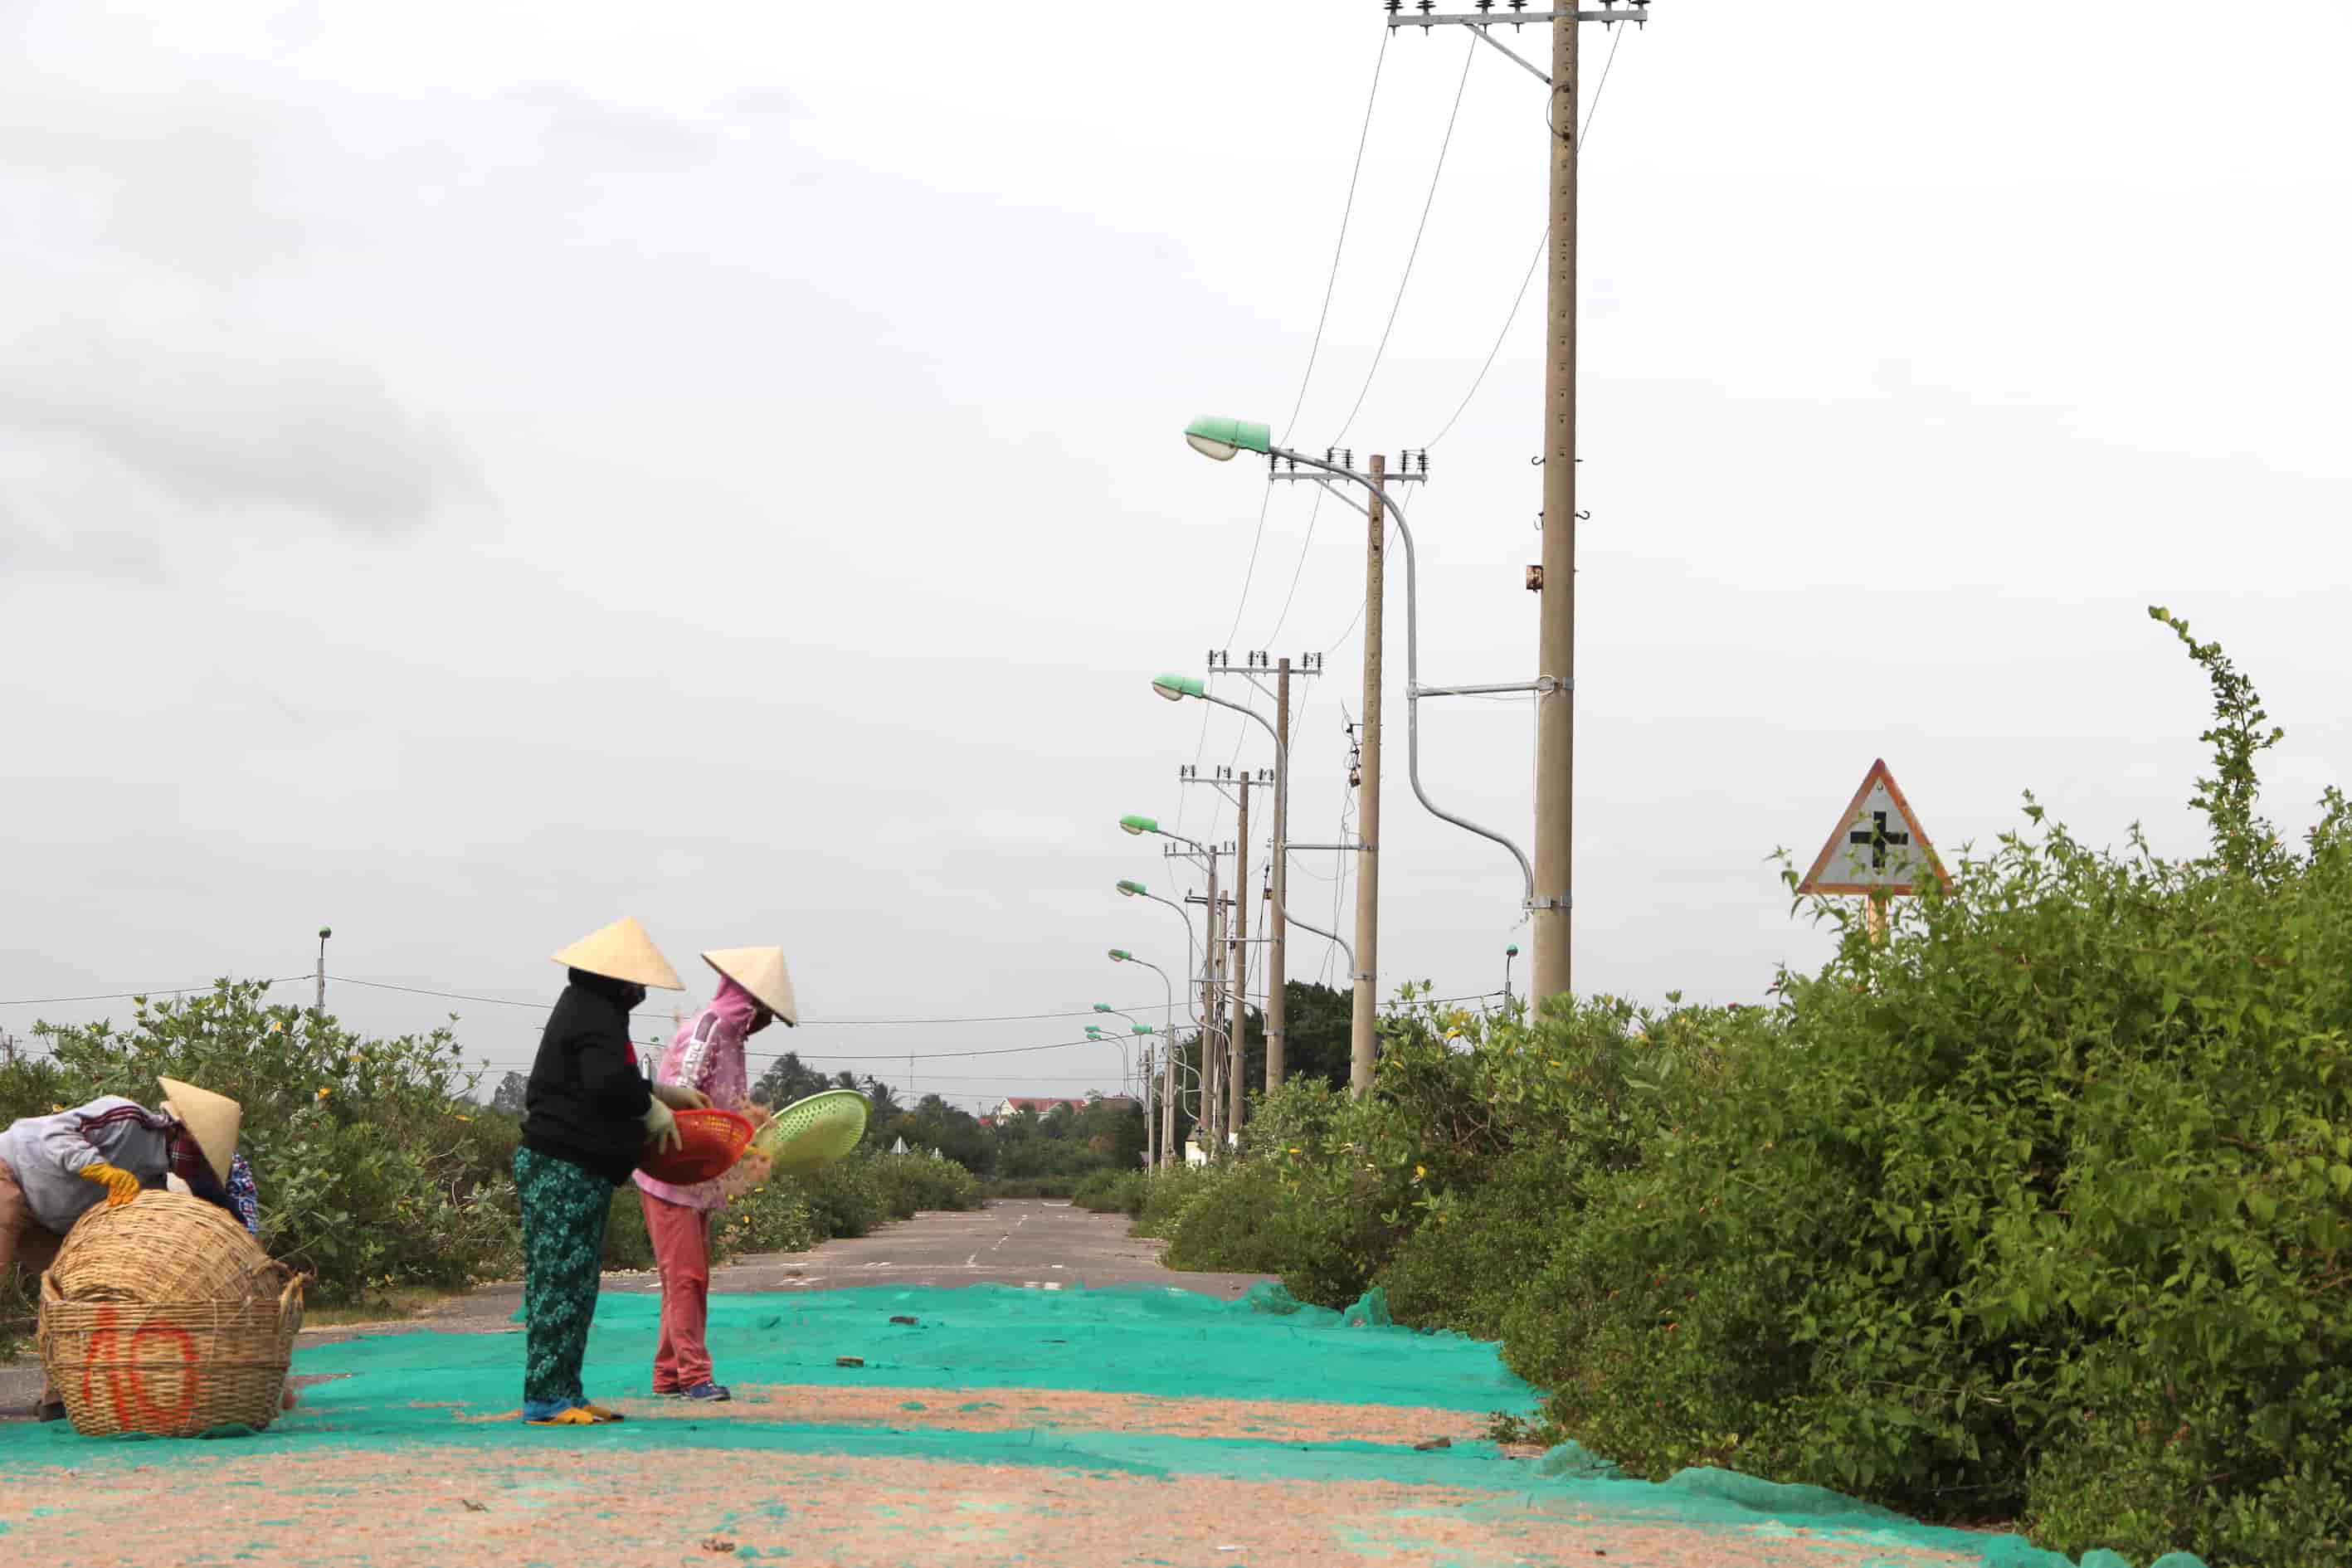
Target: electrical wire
{"type": "Point", "coordinates": [1435, 176]}
{"type": "Point", "coordinates": [1516, 301]}
{"type": "Point", "coordinates": [666, 1013]}
{"type": "Point", "coordinates": [1331, 285]}
{"type": "Point", "coordinates": [1315, 350]}
{"type": "Point", "coordinates": [1298, 571]}
{"type": "Point", "coordinates": [1616, 37]}
{"type": "Point", "coordinates": [133, 996]}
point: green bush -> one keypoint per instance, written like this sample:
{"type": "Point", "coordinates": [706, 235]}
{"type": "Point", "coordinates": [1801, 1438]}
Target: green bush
{"type": "Point", "coordinates": [2040, 1205]}
{"type": "Point", "coordinates": [18, 1308]}
{"type": "Point", "coordinates": [845, 1199]}
{"type": "Point", "coordinates": [1479, 1251]}
{"type": "Point", "coordinates": [775, 1216]}
{"type": "Point", "coordinates": [1233, 1221]}
{"type": "Point", "coordinates": [2043, 1204]}
{"type": "Point", "coordinates": [1165, 1194]}
{"type": "Point", "coordinates": [374, 1167]}
{"type": "Point", "coordinates": [1111, 1191]}
{"type": "Point", "coordinates": [913, 1183]}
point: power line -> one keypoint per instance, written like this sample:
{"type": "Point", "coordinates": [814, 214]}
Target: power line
{"type": "Point", "coordinates": [1305, 379]}
{"type": "Point", "coordinates": [1516, 301]}
{"type": "Point", "coordinates": [134, 996]}
{"type": "Point", "coordinates": [1332, 284]}
{"type": "Point", "coordinates": [1435, 176]}
{"type": "Point", "coordinates": [1616, 37]}
{"type": "Point", "coordinates": [665, 1013]}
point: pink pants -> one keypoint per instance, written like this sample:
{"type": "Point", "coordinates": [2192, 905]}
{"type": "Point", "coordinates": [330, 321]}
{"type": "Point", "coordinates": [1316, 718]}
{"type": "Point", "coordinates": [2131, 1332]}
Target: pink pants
{"type": "Point", "coordinates": [681, 1238]}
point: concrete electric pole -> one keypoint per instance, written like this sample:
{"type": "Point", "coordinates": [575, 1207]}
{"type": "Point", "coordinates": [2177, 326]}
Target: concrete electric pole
{"type": "Point", "coordinates": [1549, 897]}
{"type": "Point", "coordinates": [1277, 1010]}
{"type": "Point", "coordinates": [1236, 1084]}
{"type": "Point", "coordinates": [1364, 1008]}
{"type": "Point", "coordinates": [1555, 633]}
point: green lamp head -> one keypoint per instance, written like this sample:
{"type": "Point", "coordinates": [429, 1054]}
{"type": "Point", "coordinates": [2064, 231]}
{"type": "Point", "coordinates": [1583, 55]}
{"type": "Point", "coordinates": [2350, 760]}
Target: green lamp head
{"type": "Point", "coordinates": [1215, 436]}
{"type": "Point", "coordinates": [1140, 824]}
{"type": "Point", "coordinates": [1102, 1008]}
{"type": "Point", "coordinates": [1142, 1029]}
{"type": "Point", "coordinates": [1176, 688]}
{"type": "Point", "coordinates": [1120, 955]}
{"type": "Point", "coordinates": [1132, 888]}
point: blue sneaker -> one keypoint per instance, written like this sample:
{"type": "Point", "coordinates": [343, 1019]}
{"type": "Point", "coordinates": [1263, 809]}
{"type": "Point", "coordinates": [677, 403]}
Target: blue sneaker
{"type": "Point", "coordinates": [708, 1391]}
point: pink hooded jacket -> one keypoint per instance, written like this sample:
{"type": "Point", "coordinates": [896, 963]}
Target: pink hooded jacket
{"type": "Point", "coordinates": [708, 1054]}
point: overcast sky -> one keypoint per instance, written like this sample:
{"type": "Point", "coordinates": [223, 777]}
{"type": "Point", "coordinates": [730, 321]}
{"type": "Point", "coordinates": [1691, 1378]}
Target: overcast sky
{"type": "Point", "coordinates": [470, 471]}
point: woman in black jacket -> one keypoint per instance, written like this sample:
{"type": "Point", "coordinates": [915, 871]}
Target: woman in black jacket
{"type": "Point", "coordinates": [587, 1112]}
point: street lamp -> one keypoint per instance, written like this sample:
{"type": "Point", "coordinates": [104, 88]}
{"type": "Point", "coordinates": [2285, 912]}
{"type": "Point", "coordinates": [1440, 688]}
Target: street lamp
{"type": "Point", "coordinates": [1139, 825]}
{"type": "Point", "coordinates": [1130, 889]}
{"type": "Point", "coordinates": [1175, 688]}
{"type": "Point", "coordinates": [1121, 955]}
{"type": "Point", "coordinates": [1102, 1036]}
{"type": "Point", "coordinates": [1220, 437]}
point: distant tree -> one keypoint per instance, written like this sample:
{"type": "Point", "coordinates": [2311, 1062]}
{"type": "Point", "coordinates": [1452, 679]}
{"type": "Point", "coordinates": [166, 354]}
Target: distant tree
{"type": "Point", "coordinates": [1316, 1036]}
{"type": "Point", "coordinates": [881, 1097]}
{"type": "Point", "coordinates": [509, 1095]}
{"type": "Point", "coordinates": [789, 1078]}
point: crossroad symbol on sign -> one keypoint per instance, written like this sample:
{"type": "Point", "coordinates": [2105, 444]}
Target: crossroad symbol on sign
{"type": "Point", "coordinates": [1878, 846]}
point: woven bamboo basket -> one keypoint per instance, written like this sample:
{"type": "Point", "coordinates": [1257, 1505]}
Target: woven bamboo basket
{"type": "Point", "coordinates": [162, 1317]}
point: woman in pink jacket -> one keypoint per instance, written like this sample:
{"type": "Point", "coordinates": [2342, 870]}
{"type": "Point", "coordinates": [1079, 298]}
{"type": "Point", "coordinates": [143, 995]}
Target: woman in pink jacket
{"type": "Point", "coordinates": [706, 1055]}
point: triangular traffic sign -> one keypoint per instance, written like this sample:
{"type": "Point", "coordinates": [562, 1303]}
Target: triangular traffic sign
{"type": "Point", "coordinates": [1878, 846]}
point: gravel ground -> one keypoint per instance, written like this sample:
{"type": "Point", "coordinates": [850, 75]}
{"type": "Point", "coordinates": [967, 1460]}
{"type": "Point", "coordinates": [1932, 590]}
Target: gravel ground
{"type": "Point", "coordinates": [1335, 1447]}
{"type": "Point", "coordinates": [428, 1508]}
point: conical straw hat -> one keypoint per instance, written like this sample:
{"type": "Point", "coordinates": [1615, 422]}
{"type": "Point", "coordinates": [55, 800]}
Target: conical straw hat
{"type": "Point", "coordinates": [759, 971]}
{"type": "Point", "coordinates": [622, 951]}
{"type": "Point", "coordinates": [211, 1119]}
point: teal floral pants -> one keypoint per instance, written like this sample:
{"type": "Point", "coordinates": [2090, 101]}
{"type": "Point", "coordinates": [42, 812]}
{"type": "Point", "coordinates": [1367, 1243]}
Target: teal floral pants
{"type": "Point", "coordinates": [563, 1212]}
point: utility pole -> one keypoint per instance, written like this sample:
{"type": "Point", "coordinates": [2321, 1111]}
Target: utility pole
{"type": "Point", "coordinates": [324, 932]}
{"type": "Point", "coordinates": [1362, 1012]}
{"type": "Point", "coordinates": [1555, 684]}
{"type": "Point", "coordinates": [1237, 1078]}
{"type": "Point", "coordinates": [1211, 962]}
{"type": "Point", "coordinates": [1277, 1009]}
{"type": "Point", "coordinates": [1169, 1152]}
{"type": "Point", "coordinates": [1555, 633]}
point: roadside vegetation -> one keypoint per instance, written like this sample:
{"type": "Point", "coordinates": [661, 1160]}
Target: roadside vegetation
{"type": "Point", "coordinates": [2039, 1208]}
{"type": "Point", "coordinates": [384, 1176]}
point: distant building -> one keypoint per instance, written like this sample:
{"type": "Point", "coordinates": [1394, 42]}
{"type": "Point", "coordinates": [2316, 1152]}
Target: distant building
{"type": "Point", "coordinates": [1040, 1104]}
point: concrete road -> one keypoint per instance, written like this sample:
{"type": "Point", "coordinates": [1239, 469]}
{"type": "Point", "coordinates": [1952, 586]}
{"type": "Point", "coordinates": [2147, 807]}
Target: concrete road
{"type": "Point", "coordinates": [1027, 1242]}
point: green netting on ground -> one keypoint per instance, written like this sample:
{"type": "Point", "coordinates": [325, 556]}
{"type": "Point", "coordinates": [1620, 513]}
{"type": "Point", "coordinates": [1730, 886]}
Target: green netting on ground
{"type": "Point", "coordinates": [409, 1390]}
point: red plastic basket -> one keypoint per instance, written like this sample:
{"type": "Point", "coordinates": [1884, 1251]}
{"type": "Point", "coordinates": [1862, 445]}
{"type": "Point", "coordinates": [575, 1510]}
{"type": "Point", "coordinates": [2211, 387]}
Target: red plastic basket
{"type": "Point", "coordinates": [709, 1142]}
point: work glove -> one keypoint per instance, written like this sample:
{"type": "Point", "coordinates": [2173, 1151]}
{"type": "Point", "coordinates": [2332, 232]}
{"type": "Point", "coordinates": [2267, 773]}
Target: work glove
{"type": "Point", "coordinates": [661, 1127]}
{"type": "Point", "coordinates": [120, 1185]}
{"type": "Point", "coordinates": [679, 1097]}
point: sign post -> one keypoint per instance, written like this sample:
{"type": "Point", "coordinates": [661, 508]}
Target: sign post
{"type": "Point", "coordinates": [1878, 850]}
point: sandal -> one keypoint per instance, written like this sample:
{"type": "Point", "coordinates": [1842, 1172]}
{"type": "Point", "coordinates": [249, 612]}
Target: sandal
{"type": "Point", "coordinates": [576, 1416]}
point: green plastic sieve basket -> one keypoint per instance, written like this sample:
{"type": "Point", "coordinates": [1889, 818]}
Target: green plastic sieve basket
{"type": "Point", "coordinates": [812, 1133]}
